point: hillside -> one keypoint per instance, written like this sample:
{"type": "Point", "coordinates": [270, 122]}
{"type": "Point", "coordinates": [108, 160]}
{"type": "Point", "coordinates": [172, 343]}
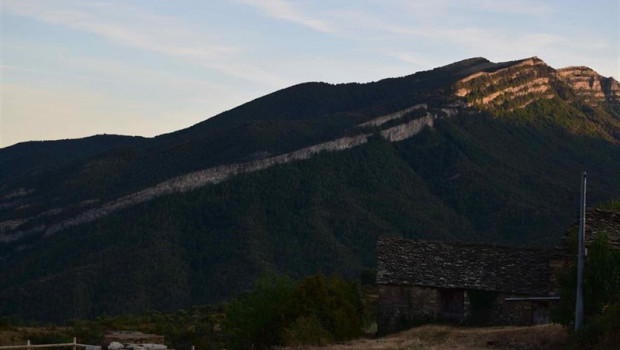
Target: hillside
{"type": "Point", "coordinates": [305, 180]}
{"type": "Point", "coordinates": [28, 157]}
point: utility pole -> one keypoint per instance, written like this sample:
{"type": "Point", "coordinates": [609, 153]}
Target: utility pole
{"type": "Point", "coordinates": [580, 255]}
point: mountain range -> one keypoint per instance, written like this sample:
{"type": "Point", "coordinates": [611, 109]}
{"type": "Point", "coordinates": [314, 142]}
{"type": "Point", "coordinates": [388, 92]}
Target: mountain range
{"type": "Point", "coordinates": [300, 181]}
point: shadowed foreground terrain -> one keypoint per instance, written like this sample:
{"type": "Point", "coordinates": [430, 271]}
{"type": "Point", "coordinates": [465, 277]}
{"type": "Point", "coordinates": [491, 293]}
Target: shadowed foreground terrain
{"type": "Point", "coordinates": [430, 337]}
{"type": "Point", "coordinates": [434, 337]}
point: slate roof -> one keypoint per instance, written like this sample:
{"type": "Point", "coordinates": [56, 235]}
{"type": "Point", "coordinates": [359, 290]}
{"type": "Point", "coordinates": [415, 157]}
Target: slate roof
{"type": "Point", "coordinates": [600, 221]}
{"type": "Point", "coordinates": [466, 266]}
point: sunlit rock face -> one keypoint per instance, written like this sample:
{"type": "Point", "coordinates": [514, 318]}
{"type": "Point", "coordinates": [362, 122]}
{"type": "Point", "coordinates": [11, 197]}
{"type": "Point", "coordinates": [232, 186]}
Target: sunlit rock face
{"type": "Point", "coordinates": [590, 85]}
{"type": "Point", "coordinates": [512, 87]}
{"type": "Point", "coordinates": [518, 85]}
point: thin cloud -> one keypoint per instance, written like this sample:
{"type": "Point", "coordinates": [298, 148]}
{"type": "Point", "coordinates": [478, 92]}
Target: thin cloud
{"type": "Point", "coordinates": [510, 7]}
{"type": "Point", "coordinates": [433, 9]}
{"type": "Point", "coordinates": [140, 29]}
{"type": "Point", "coordinates": [497, 41]}
{"type": "Point", "coordinates": [117, 70]}
{"type": "Point", "coordinates": [286, 11]}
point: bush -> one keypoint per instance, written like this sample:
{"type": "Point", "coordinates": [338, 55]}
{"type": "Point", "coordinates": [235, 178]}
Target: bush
{"type": "Point", "coordinates": [255, 320]}
{"type": "Point", "coordinates": [601, 290]}
{"type": "Point", "coordinates": [335, 302]}
{"type": "Point", "coordinates": [49, 338]}
{"type": "Point", "coordinates": [5, 323]}
{"type": "Point", "coordinates": [306, 330]}
{"type": "Point", "coordinates": [315, 310]}
{"type": "Point", "coordinates": [610, 321]}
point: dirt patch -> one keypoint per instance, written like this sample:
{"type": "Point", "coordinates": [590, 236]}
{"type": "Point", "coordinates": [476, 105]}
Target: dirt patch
{"type": "Point", "coordinates": [432, 337]}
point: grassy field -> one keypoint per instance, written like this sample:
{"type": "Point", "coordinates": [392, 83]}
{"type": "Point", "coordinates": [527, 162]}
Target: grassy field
{"type": "Point", "coordinates": [433, 337]}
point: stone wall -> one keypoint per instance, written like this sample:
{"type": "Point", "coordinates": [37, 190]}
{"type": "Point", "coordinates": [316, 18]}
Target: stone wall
{"type": "Point", "coordinates": [401, 307]}
{"type": "Point", "coordinates": [517, 313]}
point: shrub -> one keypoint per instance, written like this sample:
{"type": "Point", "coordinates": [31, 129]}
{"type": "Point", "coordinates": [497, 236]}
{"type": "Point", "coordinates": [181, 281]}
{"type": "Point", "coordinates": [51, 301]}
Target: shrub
{"type": "Point", "coordinates": [315, 310]}
{"type": "Point", "coordinates": [306, 330]}
{"type": "Point", "coordinates": [256, 319]}
{"type": "Point", "coordinates": [601, 290]}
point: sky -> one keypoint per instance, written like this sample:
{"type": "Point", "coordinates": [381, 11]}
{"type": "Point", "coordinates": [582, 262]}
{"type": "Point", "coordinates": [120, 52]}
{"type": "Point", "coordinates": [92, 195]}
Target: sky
{"type": "Point", "coordinates": [76, 68]}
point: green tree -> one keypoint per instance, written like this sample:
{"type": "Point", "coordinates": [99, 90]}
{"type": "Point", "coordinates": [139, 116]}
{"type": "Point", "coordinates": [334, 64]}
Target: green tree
{"type": "Point", "coordinates": [334, 302]}
{"type": "Point", "coordinates": [315, 310]}
{"type": "Point", "coordinates": [256, 319]}
{"type": "Point", "coordinates": [601, 289]}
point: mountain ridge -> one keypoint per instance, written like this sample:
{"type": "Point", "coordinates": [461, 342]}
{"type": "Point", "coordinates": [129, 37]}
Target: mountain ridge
{"type": "Point", "coordinates": [306, 189]}
{"type": "Point", "coordinates": [475, 76]}
{"type": "Point", "coordinates": [472, 71]}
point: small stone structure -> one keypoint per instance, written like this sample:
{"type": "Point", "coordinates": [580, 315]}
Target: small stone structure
{"type": "Point", "coordinates": [598, 222]}
{"type": "Point", "coordinates": [422, 281]}
{"type": "Point", "coordinates": [131, 340]}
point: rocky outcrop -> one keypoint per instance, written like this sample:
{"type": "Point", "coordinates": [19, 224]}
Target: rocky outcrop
{"type": "Point", "coordinates": [514, 70]}
{"type": "Point", "coordinates": [20, 192]}
{"type": "Point", "coordinates": [512, 87]}
{"type": "Point", "coordinates": [202, 178]}
{"type": "Point", "coordinates": [590, 85]}
{"type": "Point", "coordinates": [214, 175]}
{"type": "Point", "coordinates": [389, 117]}
{"type": "Point", "coordinates": [407, 130]}
{"type": "Point", "coordinates": [517, 85]}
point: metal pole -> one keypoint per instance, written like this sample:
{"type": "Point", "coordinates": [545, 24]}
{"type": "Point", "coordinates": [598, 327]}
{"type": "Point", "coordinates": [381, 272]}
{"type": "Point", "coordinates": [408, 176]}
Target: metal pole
{"type": "Point", "coordinates": [580, 256]}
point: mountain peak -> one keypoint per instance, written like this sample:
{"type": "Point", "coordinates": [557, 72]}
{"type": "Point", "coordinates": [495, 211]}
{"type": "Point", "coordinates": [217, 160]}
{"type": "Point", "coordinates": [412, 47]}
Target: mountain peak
{"type": "Point", "coordinates": [481, 65]}
{"type": "Point", "coordinates": [467, 66]}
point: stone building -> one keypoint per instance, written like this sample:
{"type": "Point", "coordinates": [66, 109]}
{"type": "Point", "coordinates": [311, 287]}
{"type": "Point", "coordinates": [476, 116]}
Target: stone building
{"type": "Point", "coordinates": [432, 281]}
{"type": "Point", "coordinates": [598, 222]}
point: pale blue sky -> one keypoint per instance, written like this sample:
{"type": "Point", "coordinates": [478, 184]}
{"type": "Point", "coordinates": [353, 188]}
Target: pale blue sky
{"type": "Point", "coordinates": [75, 68]}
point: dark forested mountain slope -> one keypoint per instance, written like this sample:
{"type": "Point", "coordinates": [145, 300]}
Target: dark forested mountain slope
{"type": "Point", "coordinates": [479, 151]}
{"type": "Point", "coordinates": [27, 157]}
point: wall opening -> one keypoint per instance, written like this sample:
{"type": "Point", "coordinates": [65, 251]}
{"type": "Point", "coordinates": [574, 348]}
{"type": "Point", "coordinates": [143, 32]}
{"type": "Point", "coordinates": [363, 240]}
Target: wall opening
{"type": "Point", "coordinates": [451, 304]}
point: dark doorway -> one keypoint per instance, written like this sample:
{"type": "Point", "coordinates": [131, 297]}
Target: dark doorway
{"type": "Point", "coordinates": [451, 304]}
{"type": "Point", "coordinates": [540, 312]}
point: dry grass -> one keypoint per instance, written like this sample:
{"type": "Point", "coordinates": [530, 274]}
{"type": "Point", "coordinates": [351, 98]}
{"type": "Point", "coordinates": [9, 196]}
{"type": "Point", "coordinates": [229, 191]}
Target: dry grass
{"type": "Point", "coordinates": [19, 335]}
{"type": "Point", "coordinates": [432, 337]}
